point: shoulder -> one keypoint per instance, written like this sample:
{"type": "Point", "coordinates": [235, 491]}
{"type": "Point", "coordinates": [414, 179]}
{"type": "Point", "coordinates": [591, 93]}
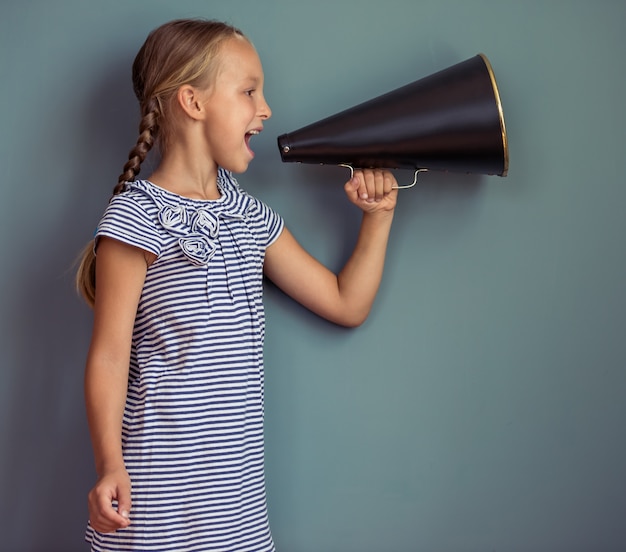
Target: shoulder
{"type": "Point", "coordinates": [238, 195]}
{"type": "Point", "coordinates": [131, 217]}
{"type": "Point", "coordinates": [260, 217]}
{"type": "Point", "coordinates": [140, 192]}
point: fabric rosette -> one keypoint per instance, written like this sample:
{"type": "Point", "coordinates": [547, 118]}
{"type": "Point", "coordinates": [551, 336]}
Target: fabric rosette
{"type": "Point", "coordinates": [174, 219]}
{"type": "Point", "coordinates": [198, 248]}
{"type": "Point", "coordinates": [207, 221]}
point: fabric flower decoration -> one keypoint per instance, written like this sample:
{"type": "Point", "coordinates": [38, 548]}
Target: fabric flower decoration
{"type": "Point", "coordinates": [205, 220]}
{"type": "Point", "coordinates": [198, 248]}
{"type": "Point", "coordinates": [173, 219]}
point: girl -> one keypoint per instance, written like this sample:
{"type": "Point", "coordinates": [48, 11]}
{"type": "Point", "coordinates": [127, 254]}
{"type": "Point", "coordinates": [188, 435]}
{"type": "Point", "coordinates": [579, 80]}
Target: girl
{"type": "Point", "coordinates": [174, 374]}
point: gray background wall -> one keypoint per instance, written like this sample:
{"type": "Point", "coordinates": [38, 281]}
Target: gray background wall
{"type": "Point", "coordinates": [481, 407]}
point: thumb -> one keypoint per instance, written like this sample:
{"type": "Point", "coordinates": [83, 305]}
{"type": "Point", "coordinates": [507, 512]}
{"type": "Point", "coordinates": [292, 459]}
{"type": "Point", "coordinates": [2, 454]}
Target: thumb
{"type": "Point", "coordinates": [352, 186]}
{"type": "Point", "coordinates": [124, 502]}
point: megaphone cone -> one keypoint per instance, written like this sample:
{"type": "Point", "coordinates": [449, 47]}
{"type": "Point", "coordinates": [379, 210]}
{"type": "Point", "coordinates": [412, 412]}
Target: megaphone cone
{"type": "Point", "coordinates": [449, 121]}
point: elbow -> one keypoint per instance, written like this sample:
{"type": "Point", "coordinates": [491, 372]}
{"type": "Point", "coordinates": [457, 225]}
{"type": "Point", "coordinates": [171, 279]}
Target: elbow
{"type": "Point", "coordinates": [354, 323]}
{"type": "Point", "coordinates": [352, 320]}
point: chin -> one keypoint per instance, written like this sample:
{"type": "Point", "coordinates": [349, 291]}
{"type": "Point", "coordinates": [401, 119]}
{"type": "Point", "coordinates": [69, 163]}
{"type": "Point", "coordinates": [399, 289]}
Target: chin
{"type": "Point", "coordinates": [242, 167]}
{"type": "Point", "coordinates": [238, 164]}
{"type": "Point", "coordinates": [239, 169]}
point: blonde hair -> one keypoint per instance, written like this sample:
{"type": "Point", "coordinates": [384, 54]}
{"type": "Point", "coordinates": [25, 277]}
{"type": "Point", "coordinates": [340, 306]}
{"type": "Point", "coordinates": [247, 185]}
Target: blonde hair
{"type": "Point", "coordinates": [183, 51]}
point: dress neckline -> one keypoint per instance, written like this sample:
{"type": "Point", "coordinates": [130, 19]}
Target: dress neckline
{"type": "Point", "coordinates": [223, 186]}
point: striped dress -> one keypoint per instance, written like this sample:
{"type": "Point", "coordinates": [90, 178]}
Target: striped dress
{"type": "Point", "coordinates": [193, 424]}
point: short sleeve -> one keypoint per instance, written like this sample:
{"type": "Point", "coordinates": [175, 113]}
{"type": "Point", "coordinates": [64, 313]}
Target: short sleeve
{"type": "Point", "coordinates": [270, 221]}
{"type": "Point", "coordinates": [127, 220]}
{"type": "Point", "coordinates": [273, 222]}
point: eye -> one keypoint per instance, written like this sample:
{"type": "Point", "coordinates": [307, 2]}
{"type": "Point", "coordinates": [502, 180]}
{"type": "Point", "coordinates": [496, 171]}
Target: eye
{"type": "Point", "coordinates": [250, 92]}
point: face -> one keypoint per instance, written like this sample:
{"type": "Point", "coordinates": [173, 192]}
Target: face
{"type": "Point", "coordinates": [235, 106]}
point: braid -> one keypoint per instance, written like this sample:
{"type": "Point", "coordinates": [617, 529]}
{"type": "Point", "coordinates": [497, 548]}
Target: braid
{"type": "Point", "coordinates": [148, 130]}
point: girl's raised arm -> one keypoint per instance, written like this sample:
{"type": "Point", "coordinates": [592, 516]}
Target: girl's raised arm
{"type": "Point", "coordinates": [346, 298]}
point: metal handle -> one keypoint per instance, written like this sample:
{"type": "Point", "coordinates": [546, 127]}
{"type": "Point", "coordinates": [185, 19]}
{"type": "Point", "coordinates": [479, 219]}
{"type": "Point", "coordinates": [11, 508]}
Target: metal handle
{"type": "Point", "coordinates": [417, 171]}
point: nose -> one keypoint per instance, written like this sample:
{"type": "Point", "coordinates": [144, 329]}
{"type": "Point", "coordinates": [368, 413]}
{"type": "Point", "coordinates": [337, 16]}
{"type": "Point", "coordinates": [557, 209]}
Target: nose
{"type": "Point", "coordinates": [264, 109]}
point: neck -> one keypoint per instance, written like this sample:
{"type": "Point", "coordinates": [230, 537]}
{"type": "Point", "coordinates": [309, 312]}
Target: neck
{"type": "Point", "coordinates": [187, 174]}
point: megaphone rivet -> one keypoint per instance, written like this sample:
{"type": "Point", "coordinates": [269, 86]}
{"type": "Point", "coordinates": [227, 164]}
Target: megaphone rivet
{"type": "Point", "coordinates": [286, 149]}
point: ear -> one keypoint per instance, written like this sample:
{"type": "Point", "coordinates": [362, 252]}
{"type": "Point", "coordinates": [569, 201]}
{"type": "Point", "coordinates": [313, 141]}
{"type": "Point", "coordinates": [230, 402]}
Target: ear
{"type": "Point", "coordinates": [188, 98]}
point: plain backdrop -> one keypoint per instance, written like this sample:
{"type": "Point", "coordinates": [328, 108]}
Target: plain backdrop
{"type": "Point", "coordinates": [482, 405]}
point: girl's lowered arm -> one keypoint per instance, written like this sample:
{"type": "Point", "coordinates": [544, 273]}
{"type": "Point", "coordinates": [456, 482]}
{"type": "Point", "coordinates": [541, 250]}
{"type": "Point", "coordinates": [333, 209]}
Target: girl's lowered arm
{"type": "Point", "coordinates": [120, 273]}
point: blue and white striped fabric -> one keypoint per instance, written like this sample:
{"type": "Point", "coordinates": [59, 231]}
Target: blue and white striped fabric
{"type": "Point", "coordinates": [193, 424]}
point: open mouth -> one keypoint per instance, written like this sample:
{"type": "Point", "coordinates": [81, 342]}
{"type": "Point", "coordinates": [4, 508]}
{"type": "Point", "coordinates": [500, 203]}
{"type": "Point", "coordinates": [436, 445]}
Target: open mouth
{"type": "Point", "coordinates": [249, 135]}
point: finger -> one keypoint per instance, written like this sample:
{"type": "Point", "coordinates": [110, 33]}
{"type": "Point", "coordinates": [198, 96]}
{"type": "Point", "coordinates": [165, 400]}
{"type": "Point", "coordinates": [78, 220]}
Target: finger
{"type": "Point", "coordinates": [362, 178]}
{"type": "Point", "coordinates": [352, 188]}
{"type": "Point", "coordinates": [366, 187]}
{"type": "Point", "coordinates": [102, 526]}
{"type": "Point", "coordinates": [373, 185]}
{"type": "Point", "coordinates": [379, 184]}
{"type": "Point", "coordinates": [104, 517]}
{"type": "Point", "coordinates": [353, 182]}
{"type": "Point", "coordinates": [370, 184]}
{"type": "Point", "coordinates": [101, 522]}
{"type": "Point", "coordinates": [124, 504]}
{"type": "Point", "coordinates": [108, 513]}
{"type": "Point", "coordinates": [389, 182]}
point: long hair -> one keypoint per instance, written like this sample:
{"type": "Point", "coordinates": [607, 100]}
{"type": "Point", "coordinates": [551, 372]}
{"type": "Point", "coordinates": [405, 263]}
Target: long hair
{"type": "Point", "coordinates": [180, 52]}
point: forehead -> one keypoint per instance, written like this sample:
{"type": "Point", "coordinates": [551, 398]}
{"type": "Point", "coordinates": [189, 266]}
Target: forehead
{"type": "Point", "coordinates": [239, 60]}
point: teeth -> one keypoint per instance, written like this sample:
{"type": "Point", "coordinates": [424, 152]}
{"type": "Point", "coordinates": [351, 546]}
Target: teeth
{"type": "Point", "coordinates": [254, 132]}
